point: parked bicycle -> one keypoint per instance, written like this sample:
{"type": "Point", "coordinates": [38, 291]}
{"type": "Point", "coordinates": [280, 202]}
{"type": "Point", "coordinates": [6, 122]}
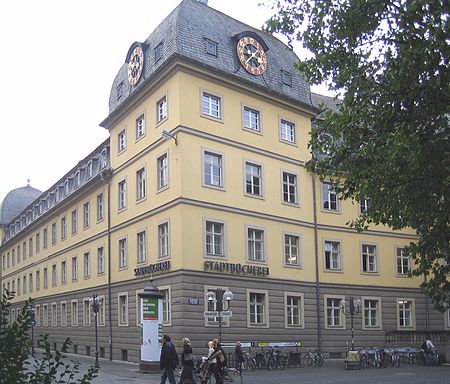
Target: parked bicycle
{"type": "Point", "coordinates": [313, 357]}
{"type": "Point", "coordinates": [293, 359]}
{"type": "Point", "coordinates": [249, 362]}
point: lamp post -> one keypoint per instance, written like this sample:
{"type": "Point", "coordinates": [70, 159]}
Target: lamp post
{"type": "Point", "coordinates": [355, 306]}
{"type": "Point", "coordinates": [95, 303]}
{"type": "Point", "coordinates": [218, 296]}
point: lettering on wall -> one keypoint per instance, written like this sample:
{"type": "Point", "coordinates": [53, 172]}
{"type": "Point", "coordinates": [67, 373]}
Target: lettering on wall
{"type": "Point", "coordinates": [152, 268]}
{"type": "Point", "coordinates": [241, 269]}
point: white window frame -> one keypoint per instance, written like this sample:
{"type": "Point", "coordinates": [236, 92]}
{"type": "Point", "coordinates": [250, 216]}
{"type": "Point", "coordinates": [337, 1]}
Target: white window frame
{"type": "Point", "coordinates": [100, 260]}
{"type": "Point", "coordinates": [54, 275]}
{"type": "Point", "coordinates": [335, 309]}
{"type": "Point", "coordinates": [251, 119]}
{"type": "Point", "coordinates": [64, 272]}
{"type": "Point", "coordinates": [86, 264]}
{"type": "Point", "coordinates": [265, 323]}
{"type": "Point", "coordinates": [252, 241]}
{"type": "Point", "coordinates": [63, 313]}
{"type": "Point", "coordinates": [140, 126]}
{"type": "Point", "coordinates": [363, 205]}
{"type": "Point", "coordinates": [122, 141]}
{"type": "Point", "coordinates": [289, 246]}
{"type": "Point", "coordinates": [101, 311]}
{"type": "Point", "coordinates": [74, 268]}
{"type": "Point", "coordinates": [213, 171]}
{"type": "Point", "coordinates": [163, 240]}
{"type": "Point", "coordinates": [211, 235]}
{"type": "Point", "coordinates": [370, 259]}
{"type": "Point", "coordinates": [122, 195]}
{"type": "Point", "coordinates": [100, 207]}
{"type": "Point", "coordinates": [45, 315]}
{"type": "Point", "coordinates": [161, 110]}
{"type": "Point", "coordinates": [74, 219]}
{"type": "Point", "coordinates": [288, 132]}
{"type": "Point", "coordinates": [329, 198]}
{"type": "Point", "coordinates": [366, 309]}
{"type": "Point", "coordinates": [86, 215]}
{"type": "Point", "coordinates": [211, 105]}
{"type": "Point", "coordinates": [122, 311]}
{"type": "Point", "coordinates": [288, 310]}
{"type": "Point", "coordinates": [141, 184]}
{"type": "Point", "coordinates": [54, 314]}
{"type": "Point", "coordinates": [162, 171]}
{"type": "Point", "coordinates": [405, 261]}
{"type": "Point", "coordinates": [45, 277]}
{"type": "Point", "coordinates": [250, 177]}
{"type": "Point", "coordinates": [336, 265]}
{"type": "Point", "coordinates": [141, 246]}
{"type": "Point", "coordinates": [74, 313]}
{"type": "Point", "coordinates": [402, 310]}
{"type": "Point", "coordinates": [123, 253]}
{"type": "Point", "coordinates": [289, 188]}
{"type": "Point", "coordinates": [86, 312]}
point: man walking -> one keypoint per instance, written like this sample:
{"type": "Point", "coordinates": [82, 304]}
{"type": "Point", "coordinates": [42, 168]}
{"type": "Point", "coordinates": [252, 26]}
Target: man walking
{"type": "Point", "coordinates": [168, 360]}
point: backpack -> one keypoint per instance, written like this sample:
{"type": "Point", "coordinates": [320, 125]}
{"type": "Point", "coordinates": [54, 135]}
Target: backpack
{"type": "Point", "coordinates": [424, 346]}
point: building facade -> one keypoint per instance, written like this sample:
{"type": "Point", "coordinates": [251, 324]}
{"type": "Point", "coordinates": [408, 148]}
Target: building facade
{"type": "Point", "coordinates": [201, 185]}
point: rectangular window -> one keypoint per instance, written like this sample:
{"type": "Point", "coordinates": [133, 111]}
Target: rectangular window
{"type": "Point", "coordinates": [405, 315]}
{"type": "Point", "coordinates": [122, 194]}
{"type": "Point", "coordinates": [158, 52]}
{"type": "Point", "coordinates": [101, 310]}
{"type": "Point", "coordinates": [63, 228]}
{"type": "Point", "coordinates": [30, 282]}
{"type": "Point", "coordinates": [253, 179]}
{"type": "Point", "coordinates": [54, 314]}
{"type": "Point", "coordinates": [74, 268]}
{"type": "Point", "coordinates": [86, 313]}
{"type": "Point", "coordinates": [140, 184]}
{"type": "Point", "coordinates": [167, 318]}
{"type": "Point", "coordinates": [24, 285]}
{"type": "Point", "coordinates": [100, 260]}
{"type": "Point", "coordinates": [287, 131]}
{"type": "Point", "coordinates": [54, 276]}
{"type": "Point", "coordinates": [403, 262]}
{"type": "Point", "coordinates": [286, 78]}
{"type": "Point", "coordinates": [123, 253]}
{"type": "Point", "coordinates": [212, 168]}
{"type": "Point", "coordinates": [211, 47]}
{"type": "Point", "coordinates": [45, 278]}
{"type": "Point", "coordinates": [140, 127]}
{"type": "Point", "coordinates": [100, 207]}
{"type": "Point", "coordinates": [255, 244]}
{"type": "Point", "coordinates": [294, 310]}
{"type": "Point", "coordinates": [329, 197]}
{"type": "Point", "coordinates": [63, 313]}
{"type": "Point", "coordinates": [369, 258]}
{"type": "Point", "coordinates": [45, 238]}
{"type": "Point", "coordinates": [38, 243]}
{"type": "Point", "coordinates": [163, 240]}
{"type": "Point", "coordinates": [30, 247]}
{"type": "Point", "coordinates": [332, 255]}
{"type": "Point", "coordinates": [74, 221]}
{"type": "Point", "coordinates": [38, 315]}
{"type": "Point", "coordinates": [38, 280]}
{"type": "Point", "coordinates": [211, 105]}
{"type": "Point", "coordinates": [334, 318]}
{"type": "Point", "coordinates": [45, 315]}
{"type": "Point", "coordinates": [74, 312]}
{"type": "Point", "coordinates": [54, 233]}
{"type": "Point", "coordinates": [24, 250]}
{"type": "Point", "coordinates": [371, 313]}
{"type": "Point", "coordinates": [86, 215]}
{"type": "Point", "coordinates": [63, 272]}
{"type": "Point", "coordinates": [87, 265]}
{"type": "Point", "coordinates": [290, 188]}
{"type": "Point", "coordinates": [251, 119]}
{"type": "Point", "coordinates": [364, 205]}
{"type": "Point", "coordinates": [18, 256]}
{"type": "Point", "coordinates": [141, 247]}
{"type": "Point", "coordinates": [291, 250]}
{"type": "Point", "coordinates": [161, 109]}
{"type": "Point", "coordinates": [121, 141]}
{"type": "Point", "coordinates": [257, 309]}
{"type": "Point", "coordinates": [214, 239]}
{"type": "Point", "coordinates": [123, 309]}
{"type": "Point", "coordinates": [163, 171]}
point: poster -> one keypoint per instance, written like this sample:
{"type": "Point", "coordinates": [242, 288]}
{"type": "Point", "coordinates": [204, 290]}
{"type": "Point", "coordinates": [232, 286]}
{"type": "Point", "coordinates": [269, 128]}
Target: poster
{"type": "Point", "coordinates": [151, 322]}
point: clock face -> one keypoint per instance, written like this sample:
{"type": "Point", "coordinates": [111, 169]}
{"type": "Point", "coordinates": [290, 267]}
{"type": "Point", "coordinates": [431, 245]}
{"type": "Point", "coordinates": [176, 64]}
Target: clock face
{"type": "Point", "coordinates": [251, 55]}
{"type": "Point", "coordinates": [135, 65]}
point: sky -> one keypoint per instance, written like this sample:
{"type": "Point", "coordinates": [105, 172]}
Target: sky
{"type": "Point", "coordinates": [58, 59]}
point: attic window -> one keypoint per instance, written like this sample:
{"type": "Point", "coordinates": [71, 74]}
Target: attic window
{"type": "Point", "coordinates": [158, 52]}
{"type": "Point", "coordinates": [211, 47]}
{"type": "Point", "coordinates": [286, 78]}
{"type": "Point", "coordinates": [120, 90]}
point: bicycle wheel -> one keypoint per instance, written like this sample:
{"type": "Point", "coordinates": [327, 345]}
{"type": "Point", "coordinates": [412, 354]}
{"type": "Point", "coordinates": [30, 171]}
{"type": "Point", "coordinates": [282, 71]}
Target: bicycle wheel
{"type": "Point", "coordinates": [251, 364]}
{"type": "Point", "coordinates": [272, 364]}
{"type": "Point", "coordinates": [308, 360]}
{"type": "Point", "coordinates": [281, 364]}
{"type": "Point", "coordinates": [319, 359]}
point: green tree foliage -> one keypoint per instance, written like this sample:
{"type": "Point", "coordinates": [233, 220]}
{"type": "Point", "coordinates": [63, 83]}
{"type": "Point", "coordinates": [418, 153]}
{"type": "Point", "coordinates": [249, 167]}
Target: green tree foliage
{"type": "Point", "coordinates": [388, 60]}
{"type": "Point", "coordinates": [17, 366]}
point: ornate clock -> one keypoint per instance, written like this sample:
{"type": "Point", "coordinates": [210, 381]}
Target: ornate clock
{"type": "Point", "coordinates": [135, 65]}
{"type": "Point", "coordinates": [252, 56]}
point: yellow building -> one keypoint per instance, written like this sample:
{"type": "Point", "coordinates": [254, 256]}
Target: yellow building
{"type": "Point", "coordinates": [202, 185]}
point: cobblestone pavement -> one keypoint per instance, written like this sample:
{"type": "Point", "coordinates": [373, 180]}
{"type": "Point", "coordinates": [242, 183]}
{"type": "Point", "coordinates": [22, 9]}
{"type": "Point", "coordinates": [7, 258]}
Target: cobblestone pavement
{"type": "Point", "coordinates": [118, 372]}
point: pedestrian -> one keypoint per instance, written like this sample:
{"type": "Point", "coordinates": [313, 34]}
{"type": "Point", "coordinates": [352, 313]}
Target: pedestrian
{"type": "Point", "coordinates": [221, 361]}
{"type": "Point", "coordinates": [187, 362]}
{"type": "Point", "coordinates": [168, 360]}
{"type": "Point", "coordinates": [239, 355]}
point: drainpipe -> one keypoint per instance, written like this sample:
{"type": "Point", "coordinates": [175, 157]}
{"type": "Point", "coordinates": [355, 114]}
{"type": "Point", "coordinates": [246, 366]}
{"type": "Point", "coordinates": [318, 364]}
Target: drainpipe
{"type": "Point", "coordinates": [316, 257]}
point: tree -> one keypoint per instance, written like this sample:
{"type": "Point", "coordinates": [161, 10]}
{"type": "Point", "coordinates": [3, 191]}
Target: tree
{"type": "Point", "coordinates": [388, 60]}
{"type": "Point", "coordinates": [15, 353]}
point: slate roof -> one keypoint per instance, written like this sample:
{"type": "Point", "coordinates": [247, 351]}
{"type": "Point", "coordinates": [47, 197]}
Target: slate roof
{"type": "Point", "coordinates": [183, 34]}
{"type": "Point", "coordinates": [16, 201]}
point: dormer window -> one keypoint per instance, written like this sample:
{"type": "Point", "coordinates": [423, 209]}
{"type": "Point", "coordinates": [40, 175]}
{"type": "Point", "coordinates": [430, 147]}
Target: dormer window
{"type": "Point", "coordinates": [56, 195]}
{"type": "Point", "coordinates": [66, 187]}
{"type": "Point", "coordinates": [104, 159]}
{"type": "Point", "coordinates": [286, 78]}
{"type": "Point", "coordinates": [89, 170]}
{"type": "Point", "coordinates": [77, 179]}
{"type": "Point", "coordinates": [158, 52]}
{"type": "Point", "coordinates": [120, 90]}
{"type": "Point", "coordinates": [211, 47]}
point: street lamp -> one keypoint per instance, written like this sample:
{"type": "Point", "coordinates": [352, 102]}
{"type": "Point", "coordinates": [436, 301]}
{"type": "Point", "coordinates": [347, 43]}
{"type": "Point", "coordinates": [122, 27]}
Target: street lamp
{"type": "Point", "coordinates": [355, 306]}
{"type": "Point", "coordinates": [218, 296]}
{"type": "Point", "coordinates": [95, 303]}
